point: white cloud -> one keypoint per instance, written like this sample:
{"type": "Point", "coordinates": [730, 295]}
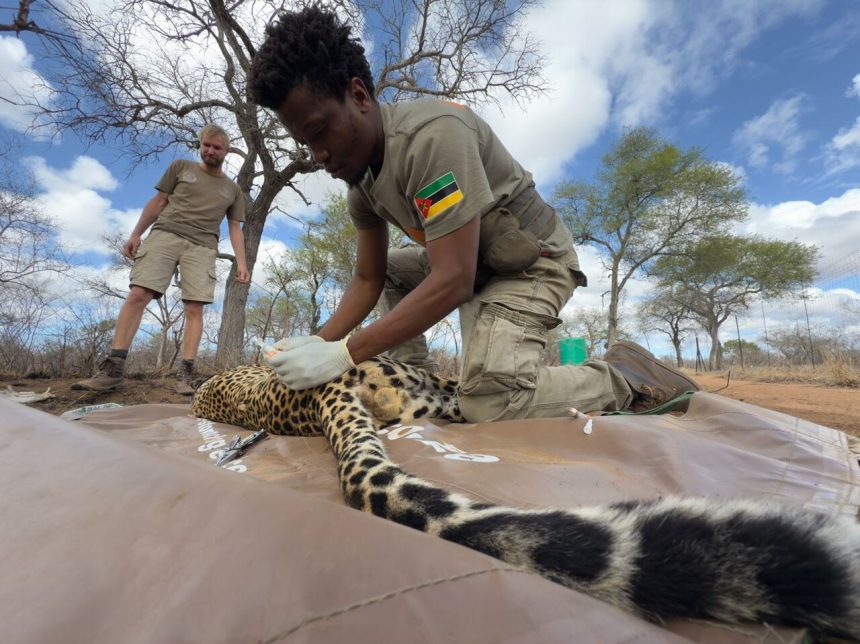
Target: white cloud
{"type": "Point", "coordinates": [269, 250]}
{"type": "Point", "coordinates": [705, 40]}
{"type": "Point", "coordinates": [823, 44]}
{"type": "Point", "coordinates": [595, 295]}
{"type": "Point", "coordinates": [701, 116]}
{"type": "Point", "coordinates": [19, 83]}
{"type": "Point", "coordinates": [843, 151]}
{"type": "Point", "coordinates": [587, 47]}
{"type": "Point", "coordinates": [316, 188]}
{"type": "Point", "coordinates": [826, 224]}
{"type": "Point", "coordinates": [624, 63]}
{"type": "Point", "coordinates": [848, 137]}
{"type": "Point", "coordinates": [854, 90]}
{"type": "Point", "coordinates": [777, 130]}
{"type": "Point", "coordinates": [85, 173]}
{"type": "Point", "coordinates": [71, 198]}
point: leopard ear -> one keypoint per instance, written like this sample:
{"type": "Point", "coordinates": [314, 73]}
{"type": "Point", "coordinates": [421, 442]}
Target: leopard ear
{"type": "Point", "coordinates": [386, 404]}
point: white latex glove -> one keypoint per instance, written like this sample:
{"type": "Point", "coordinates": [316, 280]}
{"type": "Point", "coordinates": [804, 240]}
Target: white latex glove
{"type": "Point", "coordinates": [311, 363]}
{"type": "Point", "coordinates": [291, 343]}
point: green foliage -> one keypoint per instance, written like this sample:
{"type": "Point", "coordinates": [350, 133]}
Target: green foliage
{"type": "Point", "coordinates": [308, 281]}
{"type": "Point", "coordinates": [719, 276]}
{"type": "Point", "coordinates": [732, 349]}
{"type": "Point", "coordinates": [651, 200]}
{"type": "Point", "coordinates": [722, 272]}
{"type": "Point", "coordinates": [333, 240]}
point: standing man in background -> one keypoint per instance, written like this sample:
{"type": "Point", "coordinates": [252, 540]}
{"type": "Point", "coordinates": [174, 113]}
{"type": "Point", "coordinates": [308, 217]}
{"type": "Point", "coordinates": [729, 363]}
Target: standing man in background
{"type": "Point", "coordinates": [185, 214]}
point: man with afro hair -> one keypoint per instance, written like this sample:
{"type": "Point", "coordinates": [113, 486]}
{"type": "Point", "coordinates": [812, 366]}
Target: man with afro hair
{"type": "Point", "coordinates": [485, 241]}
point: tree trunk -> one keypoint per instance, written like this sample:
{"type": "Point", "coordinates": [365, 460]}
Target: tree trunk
{"type": "Point", "coordinates": [715, 357]}
{"type": "Point", "coordinates": [231, 335]}
{"type": "Point", "coordinates": [677, 344]}
{"type": "Point", "coordinates": [612, 328]}
{"type": "Point", "coordinates": [161, 350]}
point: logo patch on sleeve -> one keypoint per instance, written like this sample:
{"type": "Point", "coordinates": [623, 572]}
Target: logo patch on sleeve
{"type": "Point", "coordinates": [438, 196]}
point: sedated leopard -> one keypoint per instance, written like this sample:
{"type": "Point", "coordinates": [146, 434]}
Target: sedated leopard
{"type": "Point", "coordinates": [730, 561]}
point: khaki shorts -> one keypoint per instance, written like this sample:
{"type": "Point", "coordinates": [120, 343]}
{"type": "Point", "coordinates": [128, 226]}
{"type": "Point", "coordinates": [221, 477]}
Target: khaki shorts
{"type": "Point", "coordinates": [157, 259]}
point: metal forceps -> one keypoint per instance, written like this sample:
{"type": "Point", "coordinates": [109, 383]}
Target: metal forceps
{"type": "Point", "coordinates": [239, 446]}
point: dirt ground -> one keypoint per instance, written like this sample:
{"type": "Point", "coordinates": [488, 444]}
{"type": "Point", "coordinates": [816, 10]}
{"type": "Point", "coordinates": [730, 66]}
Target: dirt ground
{"type": "Point", "coordinates": [132, 392]}
{"type": "Point", "coordinates": [835, 407]}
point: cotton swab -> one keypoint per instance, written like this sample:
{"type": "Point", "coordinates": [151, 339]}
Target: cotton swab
{"type": "Point", "coordinates": [575, 413]}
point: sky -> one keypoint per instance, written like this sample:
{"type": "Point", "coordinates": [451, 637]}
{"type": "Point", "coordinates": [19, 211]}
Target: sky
{"type": "Point", "coordinates": [769, 87]}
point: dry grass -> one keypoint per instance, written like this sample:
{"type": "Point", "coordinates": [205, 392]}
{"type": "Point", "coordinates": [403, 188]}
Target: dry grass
{"type": "Point", "coordinates": [843, 372]}
{"type": "Point", "coordinates": [833, 373]}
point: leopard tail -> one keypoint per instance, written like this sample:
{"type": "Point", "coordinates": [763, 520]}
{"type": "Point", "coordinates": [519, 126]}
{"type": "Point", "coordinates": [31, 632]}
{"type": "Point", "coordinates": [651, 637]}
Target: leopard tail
{"type": "Point", "coordinates": [729, 561]}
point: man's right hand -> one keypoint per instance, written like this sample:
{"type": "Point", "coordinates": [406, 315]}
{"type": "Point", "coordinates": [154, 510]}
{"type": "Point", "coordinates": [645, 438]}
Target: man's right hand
{"type": "Point", "coordinates": [130, 247]}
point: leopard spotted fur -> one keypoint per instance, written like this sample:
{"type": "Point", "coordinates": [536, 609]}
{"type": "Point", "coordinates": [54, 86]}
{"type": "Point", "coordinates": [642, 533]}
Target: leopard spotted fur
{"type": "Point", "coordinates": [730, 561]}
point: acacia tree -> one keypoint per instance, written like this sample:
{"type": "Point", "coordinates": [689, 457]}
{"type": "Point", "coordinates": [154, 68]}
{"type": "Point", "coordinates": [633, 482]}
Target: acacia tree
{"type": "Point", "coordinates": [308, 280]}
{"type": "Point", "coordinates": [665, 314]}
{"type": "Point", "coordinates": [720, 276]}
{"type": "Point", "coordinates": [742, 352]}
{"type": "Point", "coordinates": [589, 323]}
{"type": "Point", "coordinates": [149, 73]}
{"type": "Point", "coordinates": [650, 200]}
{"type": "Point", "coordinates": [329, 245]}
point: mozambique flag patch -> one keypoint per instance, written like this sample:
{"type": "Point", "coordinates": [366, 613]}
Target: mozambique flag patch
{"type": "Point", "coordinates": [438, 196]}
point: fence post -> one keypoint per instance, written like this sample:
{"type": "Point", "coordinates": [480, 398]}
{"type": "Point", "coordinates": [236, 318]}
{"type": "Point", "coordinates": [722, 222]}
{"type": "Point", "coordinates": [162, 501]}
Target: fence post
{"type": "Point", "coordinates": [766, 341]}
{"type": "Point", "coordinates": [699, 360]}
{"type": "Point", "coordinates": [809, 331]}
{"type": "Point", "coordinates": [740, 345]}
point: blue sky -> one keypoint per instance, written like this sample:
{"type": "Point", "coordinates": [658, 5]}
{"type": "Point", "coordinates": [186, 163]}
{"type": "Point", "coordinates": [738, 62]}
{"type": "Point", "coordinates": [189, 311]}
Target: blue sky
{"type": "Point", "coordinates": [770, 87]}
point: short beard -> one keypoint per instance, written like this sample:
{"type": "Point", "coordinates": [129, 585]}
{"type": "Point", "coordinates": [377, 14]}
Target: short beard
{"type": "Point", "coordinates": [212, 163]}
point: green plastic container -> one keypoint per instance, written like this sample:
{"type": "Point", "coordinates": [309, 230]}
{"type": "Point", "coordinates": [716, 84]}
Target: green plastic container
{"type": "Point", "coordinates": [572, 350]}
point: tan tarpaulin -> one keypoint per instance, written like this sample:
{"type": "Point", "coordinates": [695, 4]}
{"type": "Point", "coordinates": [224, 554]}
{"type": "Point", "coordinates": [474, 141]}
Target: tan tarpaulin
{"type": "Point", "coordinates": [108, 539]}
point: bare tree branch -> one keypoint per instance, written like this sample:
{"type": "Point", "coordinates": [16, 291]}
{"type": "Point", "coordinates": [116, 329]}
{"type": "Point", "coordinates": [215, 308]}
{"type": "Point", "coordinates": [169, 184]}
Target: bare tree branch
{"type": "Point", "coordinates": [21, 21]}
{"type": "Point", "coordinates": [149, 73]}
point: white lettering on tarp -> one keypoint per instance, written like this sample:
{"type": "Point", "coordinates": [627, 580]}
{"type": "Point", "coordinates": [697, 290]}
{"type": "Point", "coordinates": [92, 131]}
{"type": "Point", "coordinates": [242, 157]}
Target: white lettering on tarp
{"type": "Point", "coordinates": [212, 437]}
{"type": "Point", "coordinates": [451, 452]}
{"type": "Point", "coordinates": [213, 442]}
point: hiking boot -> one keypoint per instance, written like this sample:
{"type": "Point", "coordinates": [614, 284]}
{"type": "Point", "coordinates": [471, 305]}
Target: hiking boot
{"type": "Point", "coordinates": [651, 381]}
{"type": "Point", "coordinates": [184, 380]}
{"type": "Point", "coordinates": [108, 377]}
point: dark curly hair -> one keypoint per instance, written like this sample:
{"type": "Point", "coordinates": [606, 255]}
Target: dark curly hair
{"type": "Point", "coordinates": [309, 47]}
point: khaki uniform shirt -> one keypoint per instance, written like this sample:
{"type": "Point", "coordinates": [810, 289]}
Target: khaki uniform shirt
{"type": "Point", "coordinates": [443, 166]}
{"type": "Point", "coordinates": [197, 202]}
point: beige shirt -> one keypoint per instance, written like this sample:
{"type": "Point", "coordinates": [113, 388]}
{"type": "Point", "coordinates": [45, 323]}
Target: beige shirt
{"type": "Point", "coordinates": [443, 166]}
{"type": "Point", "coordinates": [197, 202]}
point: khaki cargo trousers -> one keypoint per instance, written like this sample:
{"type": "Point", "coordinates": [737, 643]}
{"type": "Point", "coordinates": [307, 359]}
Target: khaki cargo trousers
{"type": "Point", "coordinates": [504, 330]}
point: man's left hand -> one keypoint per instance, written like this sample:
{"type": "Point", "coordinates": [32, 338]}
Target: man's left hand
{"type": "Point", "coordinates": [311, 364]}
